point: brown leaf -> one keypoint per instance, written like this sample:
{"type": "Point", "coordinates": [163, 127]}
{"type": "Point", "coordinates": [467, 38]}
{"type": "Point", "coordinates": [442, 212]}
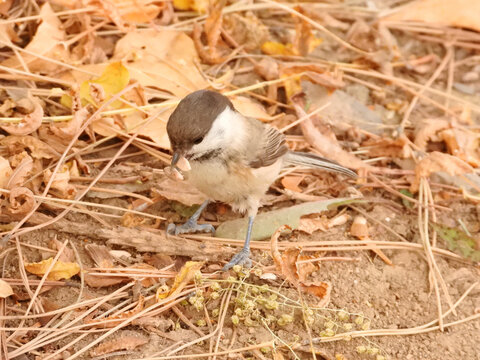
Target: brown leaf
{"type": "Point", "coordinates": [178, 191]}
{"type": "Point", "coordinates": [325, 141]}
{"type": "Point", "coordinates": [297, 274]}
{"type": "Point", "coordinates": [98, 281]}
{"type": "Point", "coordinates": [70, 128]}
{"type": "Point", "coordinates": [5, 289]}
{"type": "Point", "coordinates": [29, 123]}
{"type": "Point", "coordinates": [395, 148]}
{"type": "Point", "coordinates": [5, 172]}
{"type": "Point", "coordinates": [21, 201]}
{"type": "Point", "coordinates": [249, 108]}
{"type": "Point", "coordinates": [305, 41]}
{"type": "Point", "coordinates": [246, 29]}
{"type": "Point", "coordinates": [61, 182]}
{"type": "Point", "coordinates": [123, 342]}
{"type": "Point", "coordinates": [67, 254]}
{"type": "Point", "coordinates": [463, 143]}
{"type": "Point", "coordinates": [61, 270]}
{"type": "Point", "coordinates": [37, 148]}
{"type": "Point", "coordinates": [23, 164]}
{"type": "Point", "coordinates": [428, 130]}
{"type": "Point", "coordinates": [460, 13]}
{"type": "Point", "coordinates": [291, 182]}
{"type": "Point", "coordinates": [212, 28]}
{"type": "Point", "coordinates": [100, 254]}
{"type": "Point", "coordinates": [437, 161]}
{"type": "Point", "coordinates": [114, 320]}
{"type": "Point", "coordinates": [47, 41]}
{"type": "Point", "coordinates": [311, 225]}
{"type": "Point", "coordinates": [124, 11]}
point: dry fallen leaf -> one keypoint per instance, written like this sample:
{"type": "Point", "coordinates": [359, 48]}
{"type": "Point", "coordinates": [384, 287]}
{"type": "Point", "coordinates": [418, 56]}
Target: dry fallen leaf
{"type": "Point", "coordinates": [21, 201]}
{"type": "Point", "coordinates": [460, 13]}
{"type": "Point", "coordinates": [325, 141]}
{"type": "Point", "coordinates": [123, 342]}
{"type": "Point", "coordinates": [121, 11]}
{"type": "Point", "coordinates": [47, 41]}
{"type": "Point", "coordinates": [184, 276]}
{"type": "Point", "coordinates": [61, 270]}
{"type": "Point", "coordinates": [437, 161]}
{"type": "Point", "coordinates": [61, 182]}
{"type": "Point", "coordinates": [5, 289]}
{"type": "Point", "coordinates": [23, 165]}
{"type": "Point", "coordinates": [427, 130]}
{"type": "Point", "coordinates": [297, 274]}
{"type": "Point", "coordinates": [67, 254]}
{"type": "Point", "coordinates": [463, 143]}
{"type": "Point", "coordinates": [5, 172]}
{"type": "Point", "coordinates": [29, 123]}
{"type": "Point", "coordinates": [250, 108]}
{"type": "Point", "coordinates": [291, 182]}
{"type": "Point", "coordinates": [37, 148]}
{"type": "Point", "coordinates": [178, 191]}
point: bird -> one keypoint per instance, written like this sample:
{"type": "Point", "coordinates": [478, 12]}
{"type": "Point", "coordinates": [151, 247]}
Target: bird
{"type": "Point", "coordinates": [230, 158]}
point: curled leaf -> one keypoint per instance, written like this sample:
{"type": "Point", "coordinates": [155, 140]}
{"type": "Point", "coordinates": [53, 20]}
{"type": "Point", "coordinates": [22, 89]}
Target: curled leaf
{"type": "Point", "coordinates": [28, 124]}
{"type": "Point", "coordinates": [61, 270]}
{"type": "Point", "coordinates": [70, 128]}
{"type": "Point", "coordinates": [22, 201]}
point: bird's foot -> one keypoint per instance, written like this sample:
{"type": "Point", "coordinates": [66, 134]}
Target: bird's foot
{"type": "Point", "coordinates": [189, 227]}
{"type": "Point", "coordinates": [241, 258]}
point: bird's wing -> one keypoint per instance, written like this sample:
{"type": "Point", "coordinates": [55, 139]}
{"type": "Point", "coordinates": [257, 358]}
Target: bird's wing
{"type": "Point", "coordinates": [270, 147]}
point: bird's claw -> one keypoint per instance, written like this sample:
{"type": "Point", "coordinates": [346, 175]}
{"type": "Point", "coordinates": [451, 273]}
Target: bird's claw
{"type": "Point", "coordinates": [241, 258]}
{"type": "Point", "coordinates": [189, 227]}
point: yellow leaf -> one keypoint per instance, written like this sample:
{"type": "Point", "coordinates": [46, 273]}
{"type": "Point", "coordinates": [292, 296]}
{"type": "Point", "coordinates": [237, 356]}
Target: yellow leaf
{"type": "Point", "coordinates": [184, 276]}
{"type": "Point", "coordinates": [196, 5]}
{"type": "Point", "coordinates": [276, 48]}
{"type": "Point", "coordinates": [5, 289]}
{"type": "Point", "coordinates": [61, 270]}
{"type": "Point", "coordinates": [113, 79]}
{"type": "Point", "coordinates": [292, 85]}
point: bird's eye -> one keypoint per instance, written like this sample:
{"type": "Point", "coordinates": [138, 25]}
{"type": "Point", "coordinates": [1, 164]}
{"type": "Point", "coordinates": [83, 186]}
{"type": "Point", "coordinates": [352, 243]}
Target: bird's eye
{"type": "Point", "coordinates": [198, 140]}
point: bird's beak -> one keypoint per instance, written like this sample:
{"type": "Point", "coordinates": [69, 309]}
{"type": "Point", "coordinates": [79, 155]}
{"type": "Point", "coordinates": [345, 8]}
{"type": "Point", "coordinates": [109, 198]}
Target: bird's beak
{"type": "Point", "coordinates": [176, 156]}
{"type": "Point", "coordinates": [179, 161]}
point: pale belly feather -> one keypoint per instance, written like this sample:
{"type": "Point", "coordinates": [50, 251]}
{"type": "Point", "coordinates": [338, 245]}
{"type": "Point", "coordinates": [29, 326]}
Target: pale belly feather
{"type": "Point", "coordinates": [238, 185]}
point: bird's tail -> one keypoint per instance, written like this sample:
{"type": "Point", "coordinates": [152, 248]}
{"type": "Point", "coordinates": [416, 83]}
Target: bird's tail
{"type": "Point", "coordinates": [315, 161]}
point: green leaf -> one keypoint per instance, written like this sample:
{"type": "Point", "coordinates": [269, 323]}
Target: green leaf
{"type": "Point", "coordinates": [458, 241]}
{"type": "Point", "coordinates": [267, 223]}
{"type": "Point", "coordinates": [405, 202]}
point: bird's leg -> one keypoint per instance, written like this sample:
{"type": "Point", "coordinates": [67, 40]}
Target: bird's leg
{"type": "Point", "coordinates": [243, 257]}
{"type": "Point", "coordinates": [191, 225]}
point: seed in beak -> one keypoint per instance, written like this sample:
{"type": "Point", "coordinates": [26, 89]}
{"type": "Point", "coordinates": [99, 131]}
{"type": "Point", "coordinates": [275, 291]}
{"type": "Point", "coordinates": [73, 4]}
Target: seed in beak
{"type": "Point", "coordinates": [183, 164]}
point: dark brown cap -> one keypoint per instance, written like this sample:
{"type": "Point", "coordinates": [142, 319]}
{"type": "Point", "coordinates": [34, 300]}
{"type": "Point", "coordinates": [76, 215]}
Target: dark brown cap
{"type": "Point", "coordinates": [193, 118]}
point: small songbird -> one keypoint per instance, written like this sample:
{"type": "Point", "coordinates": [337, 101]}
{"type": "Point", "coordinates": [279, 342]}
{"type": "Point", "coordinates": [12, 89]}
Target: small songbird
{"type": "Point", "coordinates": [231, 158]}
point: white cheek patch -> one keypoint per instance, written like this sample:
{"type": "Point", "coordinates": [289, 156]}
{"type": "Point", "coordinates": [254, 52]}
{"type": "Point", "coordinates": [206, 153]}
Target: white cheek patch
{"type": "Point", "coordinates": [226, 131]}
